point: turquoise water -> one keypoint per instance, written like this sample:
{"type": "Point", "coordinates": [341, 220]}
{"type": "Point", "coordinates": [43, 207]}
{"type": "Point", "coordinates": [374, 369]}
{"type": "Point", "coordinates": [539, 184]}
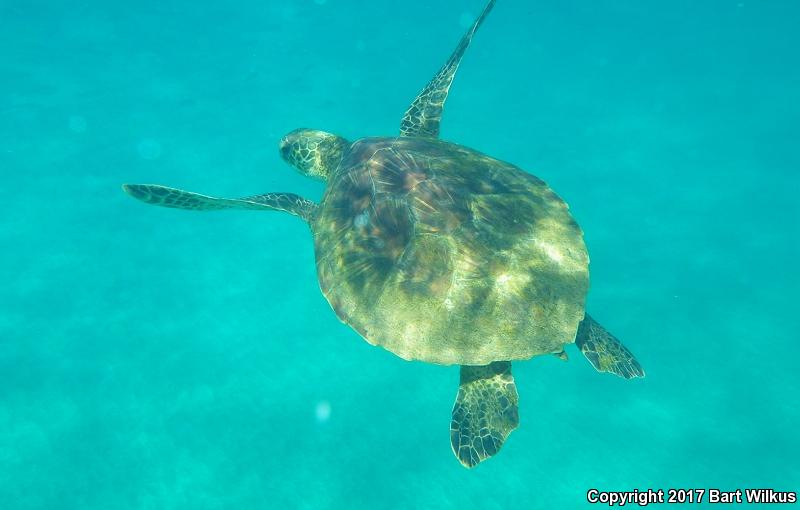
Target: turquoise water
{"type": "Point", "coordinates": [159, 359]}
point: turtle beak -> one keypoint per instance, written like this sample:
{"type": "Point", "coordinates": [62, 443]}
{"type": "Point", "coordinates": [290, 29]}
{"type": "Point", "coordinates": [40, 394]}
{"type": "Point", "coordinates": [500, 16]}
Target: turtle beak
{"type": "Point", "coordinates": [285, 147]}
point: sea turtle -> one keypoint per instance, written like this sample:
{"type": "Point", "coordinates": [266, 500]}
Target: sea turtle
{"type": "Point", "coordinates": [441, 254]}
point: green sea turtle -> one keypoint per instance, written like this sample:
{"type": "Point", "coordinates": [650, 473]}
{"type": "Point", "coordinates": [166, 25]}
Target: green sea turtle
{"type": "Point", "coordinates": [441, 254]}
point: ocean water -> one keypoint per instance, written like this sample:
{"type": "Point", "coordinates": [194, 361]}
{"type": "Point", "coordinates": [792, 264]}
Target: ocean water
{"type": "Point", "coordinates": [163, 359]}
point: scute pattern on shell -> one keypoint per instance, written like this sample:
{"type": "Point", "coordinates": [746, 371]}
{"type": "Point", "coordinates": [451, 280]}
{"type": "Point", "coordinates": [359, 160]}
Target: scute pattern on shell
{"type": "Point", "coordinates": [442, 254]}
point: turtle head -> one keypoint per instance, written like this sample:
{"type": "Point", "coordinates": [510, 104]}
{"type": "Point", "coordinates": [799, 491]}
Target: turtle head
{"type": "Point", "coordinates": [313, 153]}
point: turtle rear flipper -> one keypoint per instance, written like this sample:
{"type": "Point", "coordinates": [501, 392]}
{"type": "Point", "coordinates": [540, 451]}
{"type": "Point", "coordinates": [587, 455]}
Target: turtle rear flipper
{"type": "Point", "coordinates": [179, 199]}
{"type": "Point", "coordinates": [425, 113]}
{"type": "Point", "coordinates": [485, 412]}
{"type": "Point", "coordinates": [605, 352]}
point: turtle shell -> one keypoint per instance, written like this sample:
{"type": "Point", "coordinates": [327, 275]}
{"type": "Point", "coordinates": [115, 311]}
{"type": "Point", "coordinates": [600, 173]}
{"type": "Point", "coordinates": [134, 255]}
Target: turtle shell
{"type": "Point", "coordinates": [439, 253]}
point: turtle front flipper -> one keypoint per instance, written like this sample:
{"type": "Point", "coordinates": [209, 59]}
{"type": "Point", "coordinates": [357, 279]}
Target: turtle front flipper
{"type": "Point", "coordinates": [425, 113]}
{"type": "Point", "coordinates": [605, 352]}
{"type": "Point", "coordinates": [485, 412]}
{"type": "Point", "coordinates": [179, 199]}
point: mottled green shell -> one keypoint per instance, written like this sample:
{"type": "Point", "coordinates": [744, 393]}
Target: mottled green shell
{"type": "Point", "coordinates": [442, 254]}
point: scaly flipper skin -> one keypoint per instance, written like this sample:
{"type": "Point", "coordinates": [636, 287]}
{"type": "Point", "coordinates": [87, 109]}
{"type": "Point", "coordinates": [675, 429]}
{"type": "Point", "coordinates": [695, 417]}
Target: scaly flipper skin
{"type": "Point", "coordinates": [605, 352]}
{"type": "Point", "coordinates": [179, 199]}
{"type": "Point", "coordinates": [424, 115]}
{"type": "Point", "coordinates": [485, 412]}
